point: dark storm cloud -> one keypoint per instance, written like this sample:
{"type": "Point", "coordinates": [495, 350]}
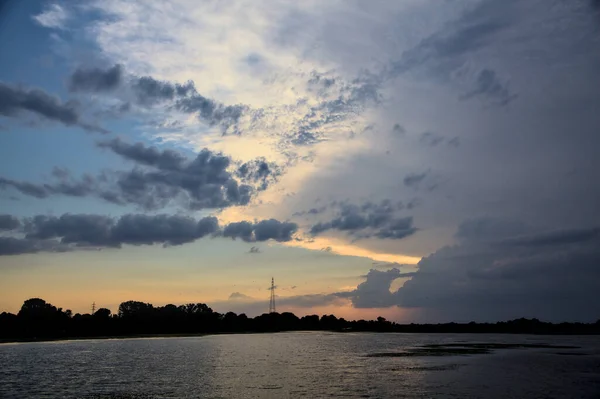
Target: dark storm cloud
{"type": "Point", "coordinates": [555, 238]}
{"type": "Point", "coordinates": [444, 51]}
{"type": "Point", "coordinates": [369, 219]}
{"type": "Point", "coordinates": [477, 280]}
{"type": "Point", "coordinates": [15, 100]}
{"type": "Point", "coordinates": [72, 231]}
{"type": "Point", "coordinates": [496, 272]}
{"type": "Point", "coordinates": [374, 292]}
{"type": "Point", "coordinates": [96, 79]}
{"type": "Point", "coordinates": [488, 85]}
{"type": "Point", "coordinates": [489, 229]}
{"type": "Point", "coordinates": [270, 229]}
{"type": "Point", "coordinates": [9, 222]}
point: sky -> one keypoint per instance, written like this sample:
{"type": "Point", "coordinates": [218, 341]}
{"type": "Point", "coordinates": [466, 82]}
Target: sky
{"type": "Point", "coordinates": [422, 160]}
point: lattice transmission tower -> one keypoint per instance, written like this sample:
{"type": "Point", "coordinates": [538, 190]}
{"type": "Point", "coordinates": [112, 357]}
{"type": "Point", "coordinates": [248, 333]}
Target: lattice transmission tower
{"type": "Point", "coordinates": [272, 301]}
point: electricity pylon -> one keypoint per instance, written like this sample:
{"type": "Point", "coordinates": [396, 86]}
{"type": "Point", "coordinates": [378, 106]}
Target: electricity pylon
{"type": "Point", "coordinates": [272, 301]}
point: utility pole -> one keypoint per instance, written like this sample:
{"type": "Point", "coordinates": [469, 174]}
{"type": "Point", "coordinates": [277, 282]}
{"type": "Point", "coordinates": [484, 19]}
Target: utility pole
{"type": "Point", "coordinates": [272, 302]}
{"type": "Point", "coordinates": [93, 307]}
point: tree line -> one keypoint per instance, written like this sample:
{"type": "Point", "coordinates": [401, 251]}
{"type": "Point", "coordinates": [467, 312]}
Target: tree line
{"type": "Point", "coordinates": [39, 320]}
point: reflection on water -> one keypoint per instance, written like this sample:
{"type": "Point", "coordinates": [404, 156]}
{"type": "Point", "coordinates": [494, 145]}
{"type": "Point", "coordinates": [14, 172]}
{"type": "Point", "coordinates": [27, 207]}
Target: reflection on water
{"type": "Point", "coordinates": [311, 365]}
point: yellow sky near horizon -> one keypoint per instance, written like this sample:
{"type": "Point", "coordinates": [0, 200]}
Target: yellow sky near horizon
{"type": "Point", "coordinates": [207, 271]}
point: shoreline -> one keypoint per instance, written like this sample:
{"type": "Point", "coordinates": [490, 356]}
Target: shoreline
{"type": "Point", "coordinates": [191, 335]}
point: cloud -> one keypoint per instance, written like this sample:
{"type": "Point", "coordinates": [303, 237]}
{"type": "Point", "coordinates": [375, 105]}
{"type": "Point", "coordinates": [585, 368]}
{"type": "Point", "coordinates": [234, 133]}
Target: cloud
{"type": "Point", "coordinates": [19, 246]}
{"type": "Point", "coordinates": [414, 179]}
{"type": "Point", "coordinates": [503, 275]}
{"type": "Point", "coordinates": [96, 79]}
{"type": "Point", "coordinates": [398, 129]}
{"type": "Point", "coordinates": [444, 51]}
{"type": "Point", "coordinates": [259, 171]}
{"type": "Point", "coordinates": [54, 16]}
{"type": "Point", "coordinates": [370, 219]}
{"type": "Point", "coordinates": [64, 185]}
{"type": "Point", "coordinates": [87, 231]}
{"type": "Point", "coordinates": [254, 250]}
{"type": "Point", "coordinates": [142, 154]}
{"type": "Point", "coordinates": [483, 281]}
{"type": "Point", "coordinates": [454, 142]}
{"type": "Point", "coordinates": [9, 222]}
{"type": "Point", "coordinates": [311, 211]}
{"type": "Point", "coordinates": [238, 296]}
{"type": "Point", "coordinates": [431, 139]}
{"type": "Point", "coordinates": [16, 100]}
{"type": "Point", "coordinates": [555, 238]}
{"type": "Point", "coordinates": [149, 92]}
{"type": "Point", "coordinates": [374, 292]}
{"type": "Point", "coordinates": [263, 230]}
{"type": "Point", "coordinates": [490, 87]}
{"type": "Point", "coordinates": [397, 229]}
{"type": "Point", "coordinates": [203, 182]}
{"type": "Point", "coordinates": [210, 111]}
{"type": "Point", "coordinates": [242, 230]}
{"type": "Point", "coordinates": [274, 229]}
{"type": "Point", "coordinates": [31, 189]}
{"type": "Point", "coordinates": [488, 229]}
{"type": "Point", "coordinates": [162, 177]}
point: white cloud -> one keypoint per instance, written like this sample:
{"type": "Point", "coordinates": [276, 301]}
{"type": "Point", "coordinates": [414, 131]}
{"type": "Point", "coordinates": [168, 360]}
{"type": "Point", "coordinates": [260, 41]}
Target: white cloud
{"type": "Point", "coordinates": [54, 16]}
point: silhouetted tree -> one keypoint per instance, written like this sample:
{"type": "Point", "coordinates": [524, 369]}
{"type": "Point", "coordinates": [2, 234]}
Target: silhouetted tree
{"type": "Point", "coordinates": [38, 319]}
{"type": "Point", "coordinates": [102, 313]}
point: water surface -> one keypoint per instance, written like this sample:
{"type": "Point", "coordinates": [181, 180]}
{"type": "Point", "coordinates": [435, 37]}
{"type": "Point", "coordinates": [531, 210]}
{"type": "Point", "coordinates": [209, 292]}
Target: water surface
{"type": "Point", "coordinates": [304, 365]}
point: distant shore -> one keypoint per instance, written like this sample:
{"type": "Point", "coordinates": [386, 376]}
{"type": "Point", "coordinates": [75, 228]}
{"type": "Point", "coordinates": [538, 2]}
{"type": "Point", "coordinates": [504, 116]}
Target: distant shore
{"type": "Point", "coordinates": [39, 321]}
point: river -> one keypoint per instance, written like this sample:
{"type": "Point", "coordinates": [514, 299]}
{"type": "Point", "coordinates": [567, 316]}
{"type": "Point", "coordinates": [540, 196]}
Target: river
{"type": "Point", "coordinates": [305, 365]}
